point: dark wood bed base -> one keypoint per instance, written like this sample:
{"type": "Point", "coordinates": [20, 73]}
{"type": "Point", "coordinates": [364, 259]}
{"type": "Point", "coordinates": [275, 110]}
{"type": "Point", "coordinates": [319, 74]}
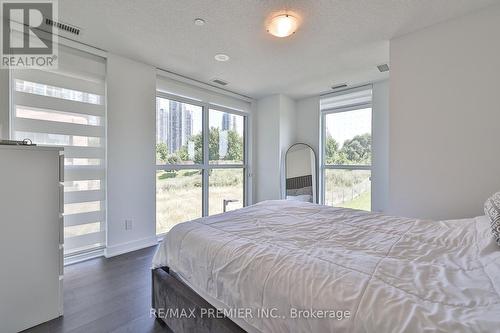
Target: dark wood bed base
{"type": "Point", "coordinates": [174, 303]}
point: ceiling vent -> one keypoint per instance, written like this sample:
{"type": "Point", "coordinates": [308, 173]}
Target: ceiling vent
{"type": "Point", "coordinates": [383, 68]}
{"type": "Point", "coordinates": [339, 86]}
{"type": "Point", "coordinates": [63, 26]}
{"type": "Point", "coordinates": [220, 82]}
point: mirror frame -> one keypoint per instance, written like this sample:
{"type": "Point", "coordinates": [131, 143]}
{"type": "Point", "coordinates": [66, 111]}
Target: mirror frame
{"type": "Point", "coordinates": [315, 172]}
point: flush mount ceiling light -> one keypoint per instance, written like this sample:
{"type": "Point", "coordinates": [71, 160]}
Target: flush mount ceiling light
{"type": "Point", "coordinates": [221, 57]}
{"type": "Point", "coordinates": [199, 21]}
{"type": "Point", "coordinates": [283, 25]}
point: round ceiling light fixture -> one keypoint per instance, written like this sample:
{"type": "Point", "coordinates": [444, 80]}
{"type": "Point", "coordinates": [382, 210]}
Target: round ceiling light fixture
{"type": "Point", "coordinates": [283, 25]}
{"type": "Point", "coordinates": [221, 57]}
{"type": "Point", "coordinates": [199, 21]}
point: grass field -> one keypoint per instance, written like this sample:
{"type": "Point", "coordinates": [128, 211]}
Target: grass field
{"type": "Point", "coordinates": [179, 195]}
{"type": "Point", "coordinates": [362, 202]}
{"type": "Point", "coordinates": [348, 188]}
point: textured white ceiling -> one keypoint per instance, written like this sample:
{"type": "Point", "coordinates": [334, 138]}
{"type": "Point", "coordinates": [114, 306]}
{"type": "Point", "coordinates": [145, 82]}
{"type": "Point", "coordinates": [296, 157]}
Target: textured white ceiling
{"type": "Point", "coordinates": [338, 41]}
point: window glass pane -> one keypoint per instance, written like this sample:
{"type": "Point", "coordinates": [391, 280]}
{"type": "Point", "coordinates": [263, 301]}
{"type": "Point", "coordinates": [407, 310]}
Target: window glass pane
{"type": "Point", "coordinates": [178, 132]}
{"type": "Point", "coordinates": [348, 137]}
{"type": "Point", "coordinates": [348, 188]}
{"type": "Point", "coordinates": [226, 189]}
{"type": "Point", "coordinates": [226, 138]}
{"type": "Point", "coordinates": [178, 198]}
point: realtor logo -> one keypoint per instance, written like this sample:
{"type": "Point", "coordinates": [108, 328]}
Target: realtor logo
{"type": "Point", "coordinates": [27, 42]}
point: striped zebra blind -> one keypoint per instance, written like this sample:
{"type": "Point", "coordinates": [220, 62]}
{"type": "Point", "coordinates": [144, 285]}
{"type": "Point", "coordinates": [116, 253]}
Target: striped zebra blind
{"type": "Point", "coordinates": [66, 107]}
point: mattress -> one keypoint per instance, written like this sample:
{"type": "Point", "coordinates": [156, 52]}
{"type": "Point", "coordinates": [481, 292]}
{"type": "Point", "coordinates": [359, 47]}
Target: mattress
{"type": "Point", "coordinates": [301, 267]}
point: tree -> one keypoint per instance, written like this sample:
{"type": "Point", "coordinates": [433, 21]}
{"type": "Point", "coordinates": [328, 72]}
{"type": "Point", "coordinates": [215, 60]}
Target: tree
{"type": "Point", "coordinates": [161, 151]}
{"type": "Point", "coordinates": [358, 149]}
{"type": "Point", "coordinates": [173, 159]}
{"type": "Point", "coordinates": [213, 144]}
{"type": "Point", "coordinates": [183, 152]}
{"type": "Point", "coordinates": [235, 146]}
{"type": "Point", "coordinates": [331, 150]}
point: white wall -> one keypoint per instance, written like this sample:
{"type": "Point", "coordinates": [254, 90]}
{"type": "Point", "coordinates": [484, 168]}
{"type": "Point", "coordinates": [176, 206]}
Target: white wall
{"type": "Point", "coordinates": [274, 132]}
{"type": "Point", "coordinates": [267, 149]}
{"type": "Point", "coordinates": [287, 134]}
{"type": "Point", "coordinates": [445, 118]}
{"type": "Point", "coordinates": [380, 146]}
{"type": "Point", "coordinates": [307, 126]}
{"type": "Point", "coordinates": [287, 122]}
{"type": "Point", "coordinates": [131, 96]}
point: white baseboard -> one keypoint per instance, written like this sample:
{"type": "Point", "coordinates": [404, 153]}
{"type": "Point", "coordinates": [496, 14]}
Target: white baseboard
{"type": "Point", "coordinates": [115, 250]}
{"type": "Point", "coordinates": [75, 259]}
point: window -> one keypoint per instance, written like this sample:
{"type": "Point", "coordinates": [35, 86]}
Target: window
{"type": "Point", "coordinates": [65, 107]}
{"type": "Point", "coordinates": [346, 149]}
{"type": "Point", "coordinates": [200, 160]}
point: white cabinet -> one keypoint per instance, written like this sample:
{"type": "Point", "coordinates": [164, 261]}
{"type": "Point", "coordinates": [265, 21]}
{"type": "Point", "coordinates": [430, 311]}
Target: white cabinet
{"type": "Point", "coordinates": [31, 236]}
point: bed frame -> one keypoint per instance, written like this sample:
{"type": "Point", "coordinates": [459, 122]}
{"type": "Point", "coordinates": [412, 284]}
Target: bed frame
{"type": "Point", "coordinates": [169, 295]}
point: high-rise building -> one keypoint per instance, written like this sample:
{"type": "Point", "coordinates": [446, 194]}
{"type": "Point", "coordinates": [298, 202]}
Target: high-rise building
{"type": "Point", "coordinates": [161, 125]}
{"type": "Point", "coordinates": [225, 122]}
{"type": "Point", "coordinates": [187, 125]}
{"type": "Point", "coordinates": [228, 122]}
{"type": "Point", "coordinates": [174, 126]}
{"type": "Point", "coordinates": [174, 136]}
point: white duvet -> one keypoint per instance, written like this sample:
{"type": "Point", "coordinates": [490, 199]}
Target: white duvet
{"type": "Point", "coordinates": [390, 274]}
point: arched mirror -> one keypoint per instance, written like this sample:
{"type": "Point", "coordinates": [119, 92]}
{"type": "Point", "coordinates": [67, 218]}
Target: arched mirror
{"type": "Point", "coordinates": [300, 173]}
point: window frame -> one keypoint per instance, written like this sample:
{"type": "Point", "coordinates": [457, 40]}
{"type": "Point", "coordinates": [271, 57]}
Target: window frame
{"type": "Point", "coordinates": [206, 166]}
{"type": "Point", "coordinates": [323, 165]}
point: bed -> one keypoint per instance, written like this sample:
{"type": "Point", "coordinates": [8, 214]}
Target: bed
{"type": "Point", "coordinates": [300, 188]}
{"type": "Point", "coordinates": [288, 266]}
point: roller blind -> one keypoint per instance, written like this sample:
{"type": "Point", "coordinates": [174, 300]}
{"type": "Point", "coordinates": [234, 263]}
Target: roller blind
{"type": "Point", "coordinates": [182, 89]}
{"type": "Point", "coordinates": [66, 107]}
{"type": "Point", "coordinates": [349, 98]}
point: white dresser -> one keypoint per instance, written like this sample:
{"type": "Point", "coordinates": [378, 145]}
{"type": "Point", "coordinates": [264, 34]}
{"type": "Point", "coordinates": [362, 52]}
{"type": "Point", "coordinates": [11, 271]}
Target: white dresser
{"type": "Point", "coordinates": [31, 236]}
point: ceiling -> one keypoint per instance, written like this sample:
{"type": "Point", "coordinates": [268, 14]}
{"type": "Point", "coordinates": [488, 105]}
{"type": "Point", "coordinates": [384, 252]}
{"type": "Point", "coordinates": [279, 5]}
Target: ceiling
{"type": "Point", "coordinates": [338, 41]}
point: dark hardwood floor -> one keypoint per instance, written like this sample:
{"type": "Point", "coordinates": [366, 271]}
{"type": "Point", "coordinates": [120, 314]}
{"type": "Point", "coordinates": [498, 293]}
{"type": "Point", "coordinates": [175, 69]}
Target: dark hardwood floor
{"type": "Point", "coordinates": [107, 295]}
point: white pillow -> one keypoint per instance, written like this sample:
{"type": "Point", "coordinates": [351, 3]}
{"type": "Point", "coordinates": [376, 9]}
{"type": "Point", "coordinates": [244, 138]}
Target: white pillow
{"type": "Point", "coordinates": [492, 210]}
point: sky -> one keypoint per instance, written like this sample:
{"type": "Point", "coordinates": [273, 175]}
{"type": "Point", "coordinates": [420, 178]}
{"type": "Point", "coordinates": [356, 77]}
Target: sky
{"type": "Point", "coordinates": [345, 125]}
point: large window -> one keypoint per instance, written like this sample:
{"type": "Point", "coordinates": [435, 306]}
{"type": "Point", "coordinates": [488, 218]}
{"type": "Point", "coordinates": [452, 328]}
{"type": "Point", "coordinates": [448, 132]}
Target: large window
{"type": "Point", "coordinates": [200, 160]}
{"type": "Point", "coordinates": [65, 107]}
{"type": "Point", "coordinates": [346, 149]}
